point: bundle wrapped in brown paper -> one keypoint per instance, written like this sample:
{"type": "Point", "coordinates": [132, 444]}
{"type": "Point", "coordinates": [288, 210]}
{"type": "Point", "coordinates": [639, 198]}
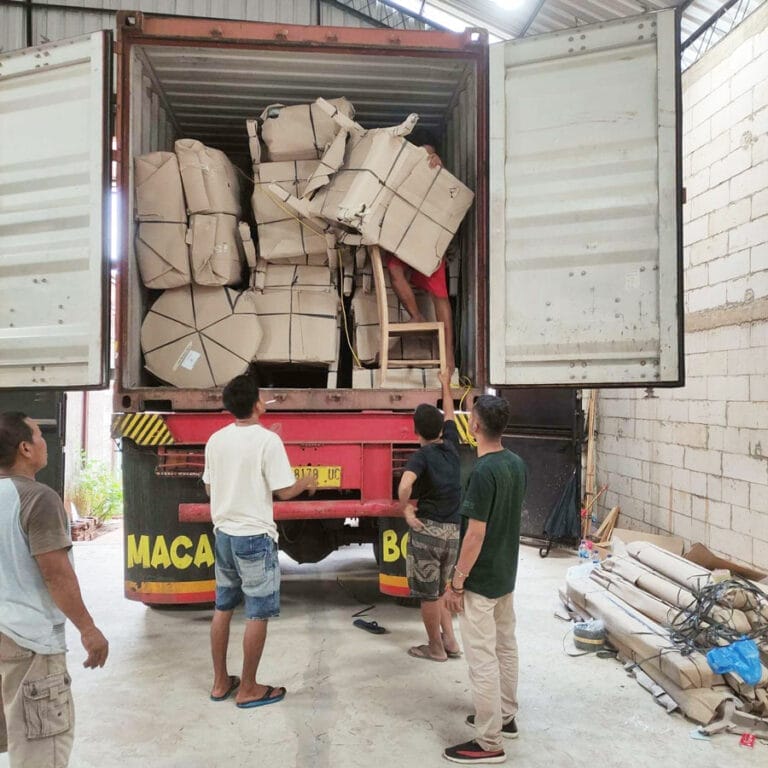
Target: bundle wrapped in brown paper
{"type": "Point", "coordinates": [197, 337]}
{"type": "Point", "coordinates": [300, 132]}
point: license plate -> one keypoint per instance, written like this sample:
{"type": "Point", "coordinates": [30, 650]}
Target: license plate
{"type": "Point", "coordinates": [327, 477]}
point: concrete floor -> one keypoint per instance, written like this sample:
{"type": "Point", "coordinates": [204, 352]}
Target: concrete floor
{"type": "Point", "coordinates": [354, 699]}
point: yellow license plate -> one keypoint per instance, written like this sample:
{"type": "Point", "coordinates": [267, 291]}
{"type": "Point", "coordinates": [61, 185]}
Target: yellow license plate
{"type": "Point", "coordinates": [327, 477]}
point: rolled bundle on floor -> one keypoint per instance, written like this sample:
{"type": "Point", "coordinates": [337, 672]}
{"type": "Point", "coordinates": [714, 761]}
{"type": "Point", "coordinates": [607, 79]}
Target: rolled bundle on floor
{"type": "Point", "coordinates": [647, 580]}
{"type": "Point", "coordinates": [680, 570]}
{"type": "Point", "coordinates": [650, 643]}
{"type": "Point", "coordinates": [699, 704]}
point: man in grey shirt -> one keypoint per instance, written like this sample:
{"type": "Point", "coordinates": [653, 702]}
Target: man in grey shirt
{"type": "Point", "coordinates": [38, 592]}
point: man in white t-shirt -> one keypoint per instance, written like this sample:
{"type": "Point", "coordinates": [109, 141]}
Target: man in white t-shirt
{"type": "Point", "coordinates": [245, 464]}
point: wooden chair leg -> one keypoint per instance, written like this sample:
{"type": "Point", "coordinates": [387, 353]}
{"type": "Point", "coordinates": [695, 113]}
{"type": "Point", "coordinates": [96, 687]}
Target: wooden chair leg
{"type": "Point", "coordinates": [441, 345]}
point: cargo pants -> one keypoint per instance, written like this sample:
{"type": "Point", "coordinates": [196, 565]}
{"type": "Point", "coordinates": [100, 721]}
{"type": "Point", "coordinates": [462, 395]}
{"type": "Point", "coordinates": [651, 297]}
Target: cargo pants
{"type": "Point", "coordinates": [37, 717]}
{"type": "Point", "coordinates": [488, 633]}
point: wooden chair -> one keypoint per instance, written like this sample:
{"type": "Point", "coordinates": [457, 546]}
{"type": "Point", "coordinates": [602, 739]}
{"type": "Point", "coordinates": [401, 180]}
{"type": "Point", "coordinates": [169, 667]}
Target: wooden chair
{"type": "Point", "coordinates": [387, 329]}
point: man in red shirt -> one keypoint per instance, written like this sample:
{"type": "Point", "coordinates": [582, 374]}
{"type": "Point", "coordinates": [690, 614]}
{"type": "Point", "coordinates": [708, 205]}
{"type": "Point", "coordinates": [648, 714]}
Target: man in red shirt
{"type": "Point", "coordinates": [404, 279]}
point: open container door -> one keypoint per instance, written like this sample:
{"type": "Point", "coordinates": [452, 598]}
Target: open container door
{"type": "Point", "coordinates": [585, 267]}
{"type": "Point", "coordinates": [54, 214]}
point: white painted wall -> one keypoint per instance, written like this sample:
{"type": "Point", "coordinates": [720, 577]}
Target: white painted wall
{"type": "Point", "coordinates": [95, 440]}
{"type": "Point", "coordinates": [694, 461]}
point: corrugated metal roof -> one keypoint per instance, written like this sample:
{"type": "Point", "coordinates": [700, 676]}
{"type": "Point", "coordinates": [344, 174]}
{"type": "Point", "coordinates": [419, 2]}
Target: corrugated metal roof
{"type": "Point", "coordinates": [504, 19]}
{"type": "Point", "coordinates": [532, 17]}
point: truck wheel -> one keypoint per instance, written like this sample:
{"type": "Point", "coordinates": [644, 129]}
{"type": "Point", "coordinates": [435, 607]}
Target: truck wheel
{"type": "Point", "coordinates": [306, 541]}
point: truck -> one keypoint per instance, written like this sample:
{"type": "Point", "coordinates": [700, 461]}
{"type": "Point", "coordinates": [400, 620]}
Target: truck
{"type": "Point", "coordinates": [570, 258]}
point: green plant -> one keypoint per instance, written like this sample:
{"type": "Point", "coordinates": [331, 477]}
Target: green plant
{"type": "Point", "coordinates": [97, 492]}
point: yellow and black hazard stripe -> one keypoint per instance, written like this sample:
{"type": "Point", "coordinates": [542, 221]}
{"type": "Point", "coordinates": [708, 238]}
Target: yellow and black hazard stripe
{"type": "Point", "coordinates": [142, 428]}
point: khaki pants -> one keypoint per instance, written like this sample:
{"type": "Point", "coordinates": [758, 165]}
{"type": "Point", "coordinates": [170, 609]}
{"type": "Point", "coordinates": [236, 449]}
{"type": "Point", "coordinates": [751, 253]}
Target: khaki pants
{"type": "Point", "coordinates": [488, 633]}
{"type": "Point", "coordinates": [37, 717]}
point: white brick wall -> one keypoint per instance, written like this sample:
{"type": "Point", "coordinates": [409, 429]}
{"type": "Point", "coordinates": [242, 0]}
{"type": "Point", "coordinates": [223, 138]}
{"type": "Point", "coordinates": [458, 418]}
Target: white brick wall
{"type": "Point", "coordinates": [694, 461]}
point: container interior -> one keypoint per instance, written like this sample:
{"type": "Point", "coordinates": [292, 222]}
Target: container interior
{"type": "Point", "coordinates": [207, 93]}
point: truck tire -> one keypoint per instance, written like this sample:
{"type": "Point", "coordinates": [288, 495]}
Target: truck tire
{"type": "Point", "coordinates": [306, 541]}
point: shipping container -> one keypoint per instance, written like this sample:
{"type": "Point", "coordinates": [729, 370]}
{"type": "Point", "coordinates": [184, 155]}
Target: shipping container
{"type": "Point", "coordinates": [570, 257]}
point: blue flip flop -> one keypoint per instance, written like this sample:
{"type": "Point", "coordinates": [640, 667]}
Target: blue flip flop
{"type": "Point", "coordinates": [234, 684]}
{"type": "Point", "coordinates": [267, 698]}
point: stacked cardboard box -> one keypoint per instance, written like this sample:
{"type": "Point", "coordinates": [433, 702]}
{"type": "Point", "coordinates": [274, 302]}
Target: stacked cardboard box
{"type": "Point", "coordinates": [212, 191]}
{"type": "Point", "coordinates": [371, 187]}
{"type": "Point", "coordinates": [300, 270]}
{"type": "Point", "coordinates": [199, 337]}
{"type": "Point", "coordinates": [161, 234]}
{"type": "Point", "coordinates": [298, 307]}
{"type": "Point", "coordinates": [379, 185]}
{"type": "Point", "coordinates": [196, 334]}
{"type": "Point", "coordinates": [282, 233]}
{"type": "Point", "coordinates": [300, 132]}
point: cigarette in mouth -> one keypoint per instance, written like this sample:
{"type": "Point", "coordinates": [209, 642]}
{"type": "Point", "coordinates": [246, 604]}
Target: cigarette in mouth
{"type": "Point", "coordinates": [269, 402]}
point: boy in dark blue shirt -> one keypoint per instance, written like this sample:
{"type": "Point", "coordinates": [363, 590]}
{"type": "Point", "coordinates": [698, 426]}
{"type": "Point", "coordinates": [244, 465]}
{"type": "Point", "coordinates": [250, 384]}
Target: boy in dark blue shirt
{"type": "Point", "coordinates": [432, 477]}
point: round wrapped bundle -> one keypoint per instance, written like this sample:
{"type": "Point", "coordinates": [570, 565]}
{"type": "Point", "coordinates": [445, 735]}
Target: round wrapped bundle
{"type": "Point", "coordinates": [198, 337]}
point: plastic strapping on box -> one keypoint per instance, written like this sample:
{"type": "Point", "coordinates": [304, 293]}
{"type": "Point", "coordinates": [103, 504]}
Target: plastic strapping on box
{"type": "Point", "coordinates": [318, 149]}
{"type": "Point", "coordinates": [416, 211]}
{"type": "Point", "coordinates": [359, 214]}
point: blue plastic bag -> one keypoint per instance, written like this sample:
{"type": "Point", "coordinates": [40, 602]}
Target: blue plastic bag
{"type": "Point", "coordinates": [741, 657]}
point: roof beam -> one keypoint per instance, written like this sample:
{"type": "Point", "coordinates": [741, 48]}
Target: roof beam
{"type": "Point", "coordinates": [713, 19]}
{"type": "Point", "coordinates": [394, 17]}
{"type": "Point", "coordinates": [534, 13]}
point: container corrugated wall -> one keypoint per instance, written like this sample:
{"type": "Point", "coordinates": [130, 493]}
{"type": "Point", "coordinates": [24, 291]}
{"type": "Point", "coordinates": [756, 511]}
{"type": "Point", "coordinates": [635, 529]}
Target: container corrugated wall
{"type": "Point", "coordinates": [49, 24]}
{"type": "Point", "coordinates": [12, 30]}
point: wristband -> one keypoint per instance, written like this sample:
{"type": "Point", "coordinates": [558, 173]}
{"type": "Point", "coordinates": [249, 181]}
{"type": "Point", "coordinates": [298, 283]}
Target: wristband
{"type": "Point", "coordinates": [460, 573]}
{"type": "Point", "coordinates": [456, 590]}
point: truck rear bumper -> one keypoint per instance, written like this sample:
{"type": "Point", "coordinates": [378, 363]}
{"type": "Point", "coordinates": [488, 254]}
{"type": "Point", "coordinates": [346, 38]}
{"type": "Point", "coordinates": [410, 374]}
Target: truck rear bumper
{"type": "Point", "coordinates": [305, 510]}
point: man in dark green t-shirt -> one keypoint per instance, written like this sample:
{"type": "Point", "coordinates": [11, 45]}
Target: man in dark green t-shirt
{"type": "Point", "coordinates": [483, 583]}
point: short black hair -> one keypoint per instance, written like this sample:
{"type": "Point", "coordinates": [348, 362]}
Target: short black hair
{"type": "Point", "coordinates": [14, 431]}
{"type": "Point", "coordinates": [421, 136]}
{"type": "Point", "coordinates": [428, 421]}
{"type": "Point", "coordinates": [240, 396]}
{"type": "Point", "coordinates": [493, 414]}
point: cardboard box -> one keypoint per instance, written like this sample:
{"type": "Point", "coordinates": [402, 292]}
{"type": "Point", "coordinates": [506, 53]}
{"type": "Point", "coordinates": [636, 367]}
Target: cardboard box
{"type": "Point", "coordinates": [284, 233]}
{"type": "Point", "coordinates": [300, 132]}
{"type": "Point", "coordinates": [210, 181]}
{"type": "Point", "coordinates": [304, 278]}
{"type": "Point", "coordinates": [673, 544]}
{"type": "Point", "coordinates": [700, 555]}
{"type": "Point", "coordinates": [291, 176]}
{"type": "Point", "coordinates": [158, 190]}
{"type": "Point", "coordinates": [397, 378]}
{"type": "Point", "coordinates": [291, 238]}
{"type": "Point", "coordinates": [299, 325]}
{"type": "Point", "coordinates": [216, 249]}
{"type": "Point", "coordinates": [198, 337]}
{"type": "Point", "coordinates": [377, 183]}
{"type": "Point", "coordinates": [162, 254]}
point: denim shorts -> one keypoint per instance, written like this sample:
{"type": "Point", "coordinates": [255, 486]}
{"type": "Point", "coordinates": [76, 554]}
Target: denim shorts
{"type": "Point", "coordinates": [247, 569]}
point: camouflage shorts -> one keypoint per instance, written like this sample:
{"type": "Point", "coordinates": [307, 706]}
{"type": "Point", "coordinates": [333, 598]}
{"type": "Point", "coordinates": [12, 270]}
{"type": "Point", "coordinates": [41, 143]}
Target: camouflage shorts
{"type": "Point", "coordinates": [431, 556]}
